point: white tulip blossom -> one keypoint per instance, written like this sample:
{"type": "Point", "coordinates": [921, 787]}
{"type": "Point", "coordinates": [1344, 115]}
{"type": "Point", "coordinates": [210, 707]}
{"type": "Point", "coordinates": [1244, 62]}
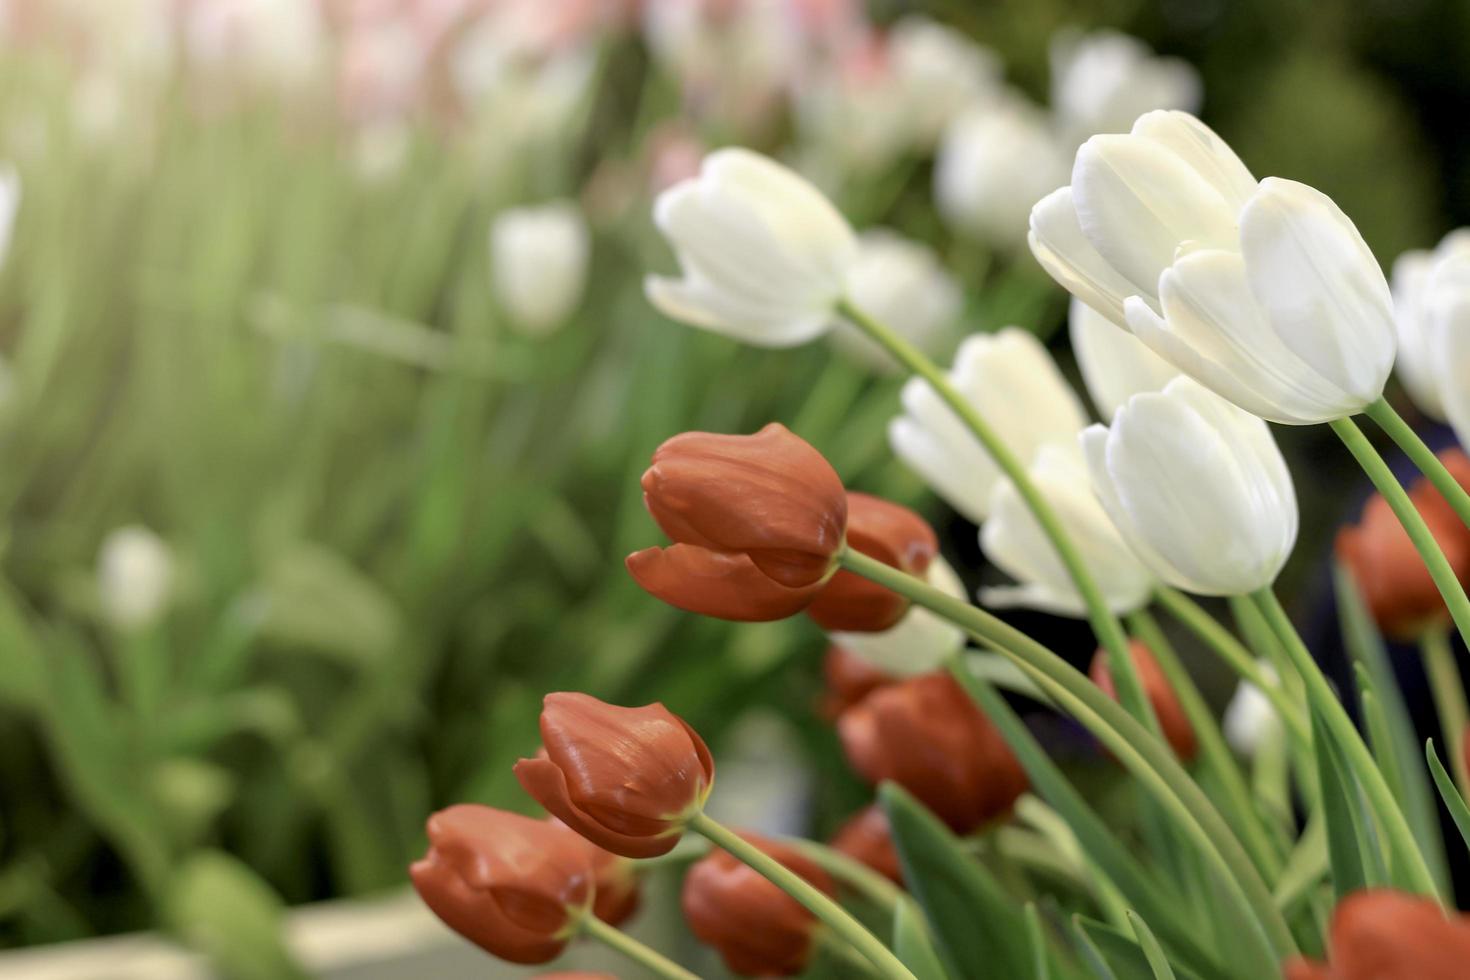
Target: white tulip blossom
{"type": "Point", "coordinates": [939, 72]}
{"type": "Point", "coordinates": [135, 574]}
{"type": "Point", "coordinates": [921, 641]}
{"type": "Point", "coordinates": [902, 284]}
{"type": "Point", "coordinates": [1431, 293]}
{"type": "Point", "coordinates": [539, 255]}
{"type": "Point", "coordinates": [1265, 293]}
{"type": "Point", "coordinates": [1250, 719]}
{"type": "Point", "coordinates": [1015, 543]}
{"type": "Point", "coordinates": [764, 255]}
{"type": "Point", "coordinates": [994, 162]}
{"type": "Point", "coordinates": [1012, 382]}
{"type": "Point", "coordinates": [1115, 364]}
{"type": "Point", "coordinates": [9, 208]}
{"type": "Point", "coordinates": [1102, 81]}
{"type": "Point", "coordinates": [1197, 487]}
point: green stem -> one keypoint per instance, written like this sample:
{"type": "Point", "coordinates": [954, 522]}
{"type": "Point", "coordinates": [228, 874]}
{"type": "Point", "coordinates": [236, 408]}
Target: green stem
{"type": "Point", "coordinates": [1335, 717]}
{"type": "Point", "coordinates": [856, 875]}
{"type": "Point", "coordinates": [1421, 455]}
{"type": "Point", "coordinates": [1412, 521]}
{"type": "Point", "coordinates": [793, 884]}
{"type": "Point", "coordinates": [1448, 689]}
{"type": "Point", "coordinates": [1140, 751]}
{"type": "Point", "coordinates": [650, 959]}
{"type": "Point", "coordinates": [1109, 631]}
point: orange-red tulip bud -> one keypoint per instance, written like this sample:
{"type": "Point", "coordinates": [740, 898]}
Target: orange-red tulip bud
{"type": "Point", "coordinates": [1172, 719]}
{"type": "Point", "coordinates": [757, 523]}
{"type": "Point", "coordinates": [866, 838]}
{"type": "Point", "coordinates": [616, 885]}
{"type": "Point", "coordinates": [849, 678]}
{"type": "Point", "coordinates": [757, 928]}
{"type": "Point", "coordinates": [626, 779]}
{"type": "Point", "coordinates": [509, 884]}
{"type": "Point", "coordinates": [1382, 934]}
{"type": "Point", "coordinates": [928, 736]}
{"type": "Point", "coordinates": [894, 535]}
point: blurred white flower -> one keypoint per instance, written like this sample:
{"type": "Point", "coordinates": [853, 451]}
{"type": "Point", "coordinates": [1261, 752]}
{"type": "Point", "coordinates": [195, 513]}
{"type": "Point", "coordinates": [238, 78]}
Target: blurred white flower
{"type": "Point", "coordinates": [1250, 720]}
{"type": "Point", "coordinates": [1265, 293]}
{"type": "Point", "coordinates": [733, 57]}
{"type": "Point", "coordinates": [1430, 303]}
{"type": "Point", "coordinates": [135, 573]}
{"type": "Point", "coordinates": [764, 255]}
{"type": "Point", "coordinates": [994, 162]}
{"type": "Point", "coordinates": [902, 284]}
{"type": "Point", "coordinates": [1102, 81]}
{"type": "Point", "coordinates": [853, 115]}
{"type": "Point", "coordinates": [1115, 364]}
{"type": "Point", "coordinates": [1198, 488]}
{"type": "Point", "coordinates": [9, 207]}
{"type": "Point", "coordinates": [540, 257]}
{"type": "Point", "coordinates": [921, 641]}
{"type": "Point", "coordinates": [280, 43]}
{"type": "Point", "coordinates": [939, 72]}
{"type": "Point", "coordinates": [1013, 383]}
{"type": "Point", "coordinates": [1015, 543]}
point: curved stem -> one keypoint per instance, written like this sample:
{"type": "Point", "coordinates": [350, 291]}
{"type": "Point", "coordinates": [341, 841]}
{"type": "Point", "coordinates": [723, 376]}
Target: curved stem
{"type": "Point", "coordinates": [1335, 717]}
{"type": "Point", "coordinates": [1421, 455]}
{"type": "Point", "coordinates": [1109, 631]}
{"type": "Point", "coordinates": [1412, 521]}
{"type": "Point", "coordinates": [1448, 688]}
{"type": "Point", "coordinates": [1141, 752]}
{"type": "Point", "coordinates": [648, 958]}
{"type": "Point", "coordinates": [856, 875]}
{"type": "Point", "coordinates": [793, 884]}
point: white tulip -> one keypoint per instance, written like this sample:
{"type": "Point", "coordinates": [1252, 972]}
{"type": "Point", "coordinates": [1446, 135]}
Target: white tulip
{"type": "Point", "coordinates": [1103, 81]}
{"type": "Point", "coordinates": [9, 207]}
{"type": "Point", "coordinates": [939, 72]}
{"type": "Point", "coordinates": [1011, 380]}
{"type": "Point", "coordinates": [1015, 543]}
{"type": "Point", "coordinates": [1115, 364]}
{"type": "Point", "coordinates": [902, 284]}
{"type": "Point", "coordinates": [1198, 488]}
{"type": "Point", "coordinates": [540, 256]}
{"type": "Point", "coordinates": [1429, 294]}
{"type": "Point", "coordinates": [1264, 293]}
{"type": "Point", "coordinates": [994, 163]}
{"type": "Point", "coordinates": [275, 42]}
{"type": "Point", "coordinates": [764, 255]}
{"type": "Point", "coordinates": [135, 573]}
{"type": "Point", "coordinates": [921, 641]}
{"type": "Point", "coordinates": [1250, 720]}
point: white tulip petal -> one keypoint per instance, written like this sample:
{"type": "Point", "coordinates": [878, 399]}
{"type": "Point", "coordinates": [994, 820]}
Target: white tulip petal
{"type": "Point", "coordinates": [1205, 153]}
{"type": "Point", "coordinates": [921, 641]}
{"type": "Point", "coordinates": [1409, 283]}
{"type": "Point", "coordinates": [1115, 364]}
{"type": "Point", "coordinates": [1057, 241]}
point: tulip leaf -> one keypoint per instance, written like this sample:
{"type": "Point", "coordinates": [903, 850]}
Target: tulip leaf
{"type": "Point", "coordinates": [1339, 813]}
{"type": "Point", "coordinates": [1152, 951]}
{"type": "Point", "coordinates": [912, 943]}
{"type": "Point", "coordinates": [1091, 955]}
{"type": "Point", "coordinates": [1124, 956]}
{"type": "Point", "coordinates": [219, 906]}
{"type": "Point", "coordinates": [977, 928]}
{"type": "Point", "coordinates": [1453, 801]}
{"type": "Point", "coordinates": [1305, 866]}
{"type": "Point", "coordinates": [1035, 934]}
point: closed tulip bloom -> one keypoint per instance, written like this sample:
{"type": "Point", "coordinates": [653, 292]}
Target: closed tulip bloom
{"type": "Point", "coordinates": [539, 256]}
{"type": "Point", "coordinates": [866, 838]}
{"type": "Point", "coordinates": [1015, 543]}
{"type": "Point", "coordinates": [849, 678]}
{"type": "Point", "coordinates": [626, 779]}
{"type": "Point", "coordinates": [919, 642]}
{"type": "Point", "coordinates": [764, 255]}
{"type": "Point", "coordinates": [135, 577]}
{"type": "Point", "coordinates": [939, 71]}
{"type": "Point", "coordinates": [1197, 487]}
{"type": "Point", "coordinates": [616, 887]}
{"type": "Point", "coordinates": [995, 161]}
{"type": "Point", "coordinates": [1250, 720]}
{"type": "Point", "coordinates": [1428, 304]}
{"type": "Point", "coordinates": [894, 535]}
{"type": "Point", "coordinates": [757, 928]}
{"type": "Point", "coordinates": [1265, 293]}
{"type": "Point", "coordinates": [1115, 364]}
{"type": "Point", "coordinates": [757, 523]}
{"type": "Point", "coordinates": [927, 736]}
{"type": "Point", "coordinates": [9, 207]}
{"type": "Point", "coordinates": [1013, 383]}
{"type": "Point", "coordinates": [1172, 720]}
{"type": "Point", "coordinates": [511, 885]}
{"type": "Point", "coordinates": [902, 284]}
{"type": "Point", "coordinates": [1382, 934]}
{"type": "Point", "coordinates": [1102, 81]}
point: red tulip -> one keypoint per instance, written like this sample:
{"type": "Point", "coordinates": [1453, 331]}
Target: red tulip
{"type": "Point", "coordinates": [928, 736]}
{"type": "Point", "coordinates": [849, 678]}
{"type": "Point", "coordinates": [627, 779]}
{"type": "Point", "coordinates": [1172, 719]}
{"type": "Point", "coordinates": [511, 885]}
{"type": "Point", "coordinates": [616, 886]}
{"type": "Point", "coordinates": [894, 535]}
{"type": "Point", "coordinates": [866, 838]}
{"type": "Point", "coordinates": [757, 928]}
{"type": "Point", "coordinates": [757, 523]}
{"type": "Point", "coordinates": [1382, 934]}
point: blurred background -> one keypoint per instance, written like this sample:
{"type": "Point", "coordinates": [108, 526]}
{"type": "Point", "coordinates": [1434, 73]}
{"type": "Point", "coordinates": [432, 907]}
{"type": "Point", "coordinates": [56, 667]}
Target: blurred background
{"type": "Point", "coordinates": [326, 378]}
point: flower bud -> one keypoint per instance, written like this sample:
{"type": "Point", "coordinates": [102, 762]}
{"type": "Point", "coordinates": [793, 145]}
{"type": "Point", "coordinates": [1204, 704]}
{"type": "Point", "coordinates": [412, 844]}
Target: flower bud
{"type": "Point", "coordinates": [1115, 364]}
{"type": "Point", "coordinates": [995, 161]}
{"type": "Point", "coordinates": [1104, 80]}
{"type": "Point", "coordinates": [616, 886]}
{"type": "Point", "coordinates": [921, 641]}
{"type": "Point", "coordinates": [1250, 719]}
{"type": "Point", "coordinates": [850, 678]}
{"type": "Point", "coordinates": [894, 535]}
{"type": "Point", "coordinates": [902, 284]}
{"type": "Point", "coordinates": [509, 884]}
{"type": "Point", "coordinates": [624, 778]}
{"type": "Point", "coordinates": [1172, 719]}
{"type": "Point", "coordinates": [757, 523]}
{"type": "Point", "coordinates": [928, 736]}
{"type": "Point", "coordinates": [135, 573]}
{"type": "Point", "coordinates": [1382, 934]}
{"type": "Point", "coordinates": [9, 206]}
{"type": "Point", "coordinates": [539, 256]}
{"type": "Point", "coordinates": [1431, 300]}
{"type": "Point", "coordinates": [866, 838]}
{"type": "Point", "coordinates": [757, 928]}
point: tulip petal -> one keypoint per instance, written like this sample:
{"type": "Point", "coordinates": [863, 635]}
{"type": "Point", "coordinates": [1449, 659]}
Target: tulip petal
{"type": "Point", "coordinates": [547, 784]}
{"type": "Point", "coordinates": [1057, 241]}
{"type": "Point", "coordinates": [476, 916]}
{"type": "Point", "coordinates": [714, 583]}
{"type": "Point", "coordinates": [1204, 152]}
{"type": "Point", "coordinates": [1115, 364]}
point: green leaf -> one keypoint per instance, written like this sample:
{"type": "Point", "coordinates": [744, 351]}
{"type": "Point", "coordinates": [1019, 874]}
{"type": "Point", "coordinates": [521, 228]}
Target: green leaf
{"type": "Point", "coordinates": [1124, 956]}
{"type": "Point", "coordinates": [1157, 961]}
{"type": "Point", "coordinates": [977, 927]}
{"type": "Point", "coordinates": [1090, 953]}
{"type": "Point", "coordinates": [1305, 866]}
{"type": "Point", "coordinates": [1339, 813]}
{"type": "Point", "coordinates": [219, 906]}
{"type": "Point", "coordinates": [1037, 937]}
{"type": "Point", "coordinates": [1447, 792]}
{"type": "Point", "coordinates": [912, 944]}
